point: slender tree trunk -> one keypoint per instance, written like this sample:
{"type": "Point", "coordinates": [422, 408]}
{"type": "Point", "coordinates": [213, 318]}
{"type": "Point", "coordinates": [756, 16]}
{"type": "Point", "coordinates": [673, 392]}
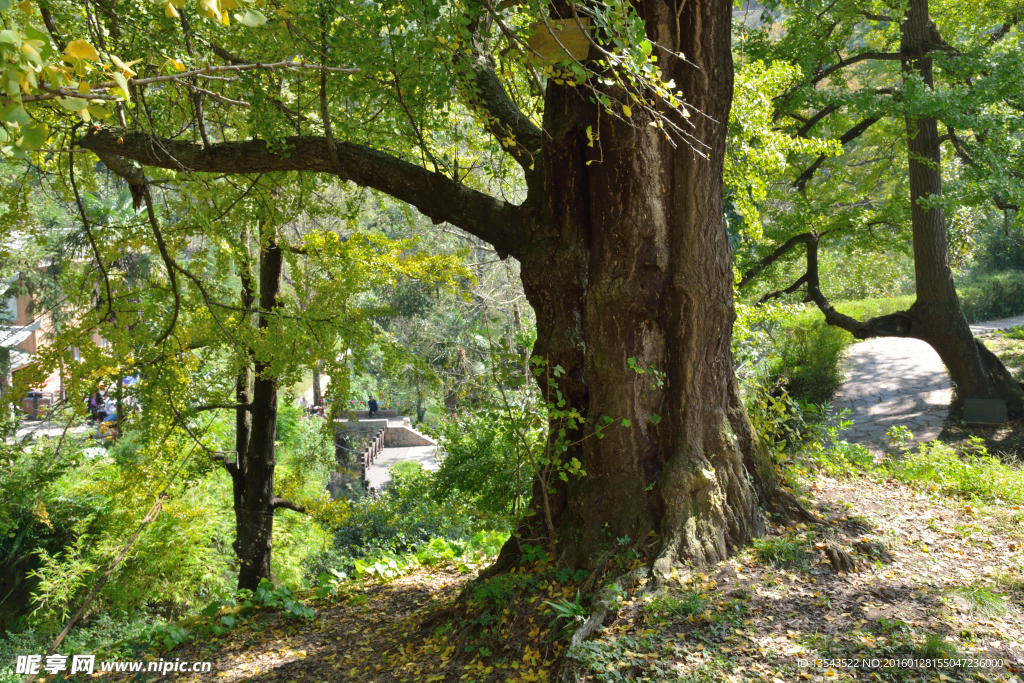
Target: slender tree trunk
{"type": "Point", "coordinates": [629, 258]}
{"type": "Point", "coordinates": [256, 511]}
{"type": "Point", "coordinates": [317, 395]}
{"type": "Point", "coordinates": [243, 417]}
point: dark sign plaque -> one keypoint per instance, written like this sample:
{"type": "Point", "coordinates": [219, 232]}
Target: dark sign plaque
{"type": "Point", "coordinates": [984, 411]}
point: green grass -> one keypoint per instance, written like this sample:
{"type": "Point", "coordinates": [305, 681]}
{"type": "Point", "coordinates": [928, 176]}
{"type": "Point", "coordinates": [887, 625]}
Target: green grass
{"type": "Point", "coordinates": [406, 468]}
{"type": "Point", "coordinates": [982, 600]}
{"type": "Point", "coordinates": [781, 552]}
{"type": "Point", "coordinates": [978, 476]}
{"type": "Point", "coordinates": [678, 606]}
{"type": "Point", "coordinates": [937, 647]}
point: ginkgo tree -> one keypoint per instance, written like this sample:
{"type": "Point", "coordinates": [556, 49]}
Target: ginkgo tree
{"type": "Point", "coordinates": [205, 299]}
{"type": "Point", "coordinates": [925, 106]}
{"type": "Point", "coordinates": [586, 140]}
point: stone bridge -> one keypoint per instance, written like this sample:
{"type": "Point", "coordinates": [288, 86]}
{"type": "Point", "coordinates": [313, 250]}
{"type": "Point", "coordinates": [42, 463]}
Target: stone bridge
{"type": "Point", "coordinates": [391, 439]}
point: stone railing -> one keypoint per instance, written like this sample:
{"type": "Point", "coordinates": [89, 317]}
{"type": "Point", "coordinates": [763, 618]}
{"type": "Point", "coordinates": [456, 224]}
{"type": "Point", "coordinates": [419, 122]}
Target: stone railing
{"type": "Point", "coordinates": [371, 452]}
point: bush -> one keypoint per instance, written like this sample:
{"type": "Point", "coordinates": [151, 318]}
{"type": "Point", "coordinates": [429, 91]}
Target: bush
{"type": "Point", "coordinates": [988, 297]}
{"type": "Point", "coordinates": [1002, 251]}
{"type": "Point", "coordinates": [479, 462]}
{"type": "Point", "coordinates": [400, 522]}
{"type": "Point", "coordinates": [809, 360]}
{"type": "Point", "coordinates": [791, 346]}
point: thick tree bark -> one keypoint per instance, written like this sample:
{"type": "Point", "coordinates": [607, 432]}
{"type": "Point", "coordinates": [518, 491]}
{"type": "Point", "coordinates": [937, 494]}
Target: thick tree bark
{"type": "Point", "coordinates": [256, 510]}
{"type": "Point", "coordinates": [630, 258]}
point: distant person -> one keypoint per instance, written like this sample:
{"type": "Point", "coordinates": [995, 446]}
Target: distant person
{"type": "Point", "coordinates": [95, 406]}
{"type": "Point", "coordinates": [304, 404]}
{"type": "Point", "coordinates": [372, 405]}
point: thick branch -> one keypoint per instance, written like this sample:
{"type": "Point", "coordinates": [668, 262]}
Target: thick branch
{"type": "Point", "coordinates": [510, 126]}
{"type": "Point", "coordinates": [805, 238]}
{"type": "Point", "coordinates": [893, 325]}
{"type": "Point", "coordinates": [437, 196]}
{"type": "Point", "coordinates": [278, 502]}
{"type": "Point", "coordinates": [813, 121]}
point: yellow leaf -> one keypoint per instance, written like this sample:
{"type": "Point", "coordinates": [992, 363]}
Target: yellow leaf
{"type": "Point", "coordinates": [212, 8]}
{"type": "Point", "coordinates": [626, 110]}
{"type": "Point", "coordinates": [126, 69]}
{"type": "Point", "coordinates": [79, 49]}
{"type": "Point", "coordinates": [26, 7]}
{"type": "Point", "coordinates": [170, 12]}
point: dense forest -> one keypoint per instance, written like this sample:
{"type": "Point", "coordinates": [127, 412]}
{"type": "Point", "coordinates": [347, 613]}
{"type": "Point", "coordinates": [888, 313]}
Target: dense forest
{"type": "Point", "coordinates": [613, 260]}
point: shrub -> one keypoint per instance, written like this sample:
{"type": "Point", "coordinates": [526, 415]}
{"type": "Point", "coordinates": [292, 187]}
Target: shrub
{"type": "Point", "coordinates": [400, 522]}
{"type": "Point", "coordinates": [479, 462]}
{"type": "Point", "coordinates": [791, 346]}
{"type": "Point", "coordinates": [987, 297]}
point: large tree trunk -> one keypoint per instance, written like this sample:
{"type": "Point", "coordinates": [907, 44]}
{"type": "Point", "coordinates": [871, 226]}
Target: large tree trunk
{"type": "Point", "coordinates": [936, 316]}
{"type": "Point", "coordinates": [630, 258]}
{"type": "Point", "coordinates": [255, 513]}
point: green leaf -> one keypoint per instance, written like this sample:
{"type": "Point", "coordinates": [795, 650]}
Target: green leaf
{"type": "Point", "coordinates": [73, 103]}
{"type": "Point", "coordinates": [626, 423]}
{"type": "Point", "coordinates": [123, 83]}
{"type": "Point", "coordinates": [99, 111]}
{"type": "Point", "coordinates": [15, 113]}
{"type": "Point", "coordinates": [251, 18]}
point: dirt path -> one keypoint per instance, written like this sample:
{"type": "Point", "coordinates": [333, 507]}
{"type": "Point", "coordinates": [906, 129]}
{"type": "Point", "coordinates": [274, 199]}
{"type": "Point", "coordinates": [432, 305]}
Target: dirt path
{"type": "Point", "coordinates": [892, 381]}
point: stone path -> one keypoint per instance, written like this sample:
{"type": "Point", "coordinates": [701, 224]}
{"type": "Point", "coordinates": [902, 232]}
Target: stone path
{"type": "Point", "coordinates": [892, 381]}
{"type": "Point", "coordinates": [379, 473]}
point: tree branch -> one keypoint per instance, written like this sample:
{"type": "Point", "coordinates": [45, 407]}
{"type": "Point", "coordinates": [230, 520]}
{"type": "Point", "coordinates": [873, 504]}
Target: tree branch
{"type": "Point", "coordinates": [800, 184]}
{"type": "Point", "coordinates": [893, 325]}
{"type": "Point", "coordinates": [438, 197]}
{"type": "Point", "coordinates": [223, 406]}
{"type": "Point", "coordinates": [804, 238]}
{"type": "Point", "coordinates": [509, 125]}
{"type": "Point", "coordinates": [849, 61]}
{"type": "Point", "coordinates": [278, 502]}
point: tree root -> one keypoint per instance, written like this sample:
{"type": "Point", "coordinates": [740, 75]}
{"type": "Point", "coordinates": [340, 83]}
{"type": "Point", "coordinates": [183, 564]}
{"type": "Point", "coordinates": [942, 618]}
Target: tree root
{"type": "Point", "coordinates": [841, 560]}
{"type": "Point", "coordinates": [787, 507]}
{"type": "Point", "coordinates": [872, 549]}
{"type": "Point", "coordinates": [604, 605]}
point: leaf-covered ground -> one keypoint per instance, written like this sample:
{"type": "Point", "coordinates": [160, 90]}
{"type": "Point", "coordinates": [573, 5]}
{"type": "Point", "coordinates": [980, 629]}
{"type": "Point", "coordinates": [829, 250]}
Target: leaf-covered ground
{"type": "Point", "coordinates": [938, 580]}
